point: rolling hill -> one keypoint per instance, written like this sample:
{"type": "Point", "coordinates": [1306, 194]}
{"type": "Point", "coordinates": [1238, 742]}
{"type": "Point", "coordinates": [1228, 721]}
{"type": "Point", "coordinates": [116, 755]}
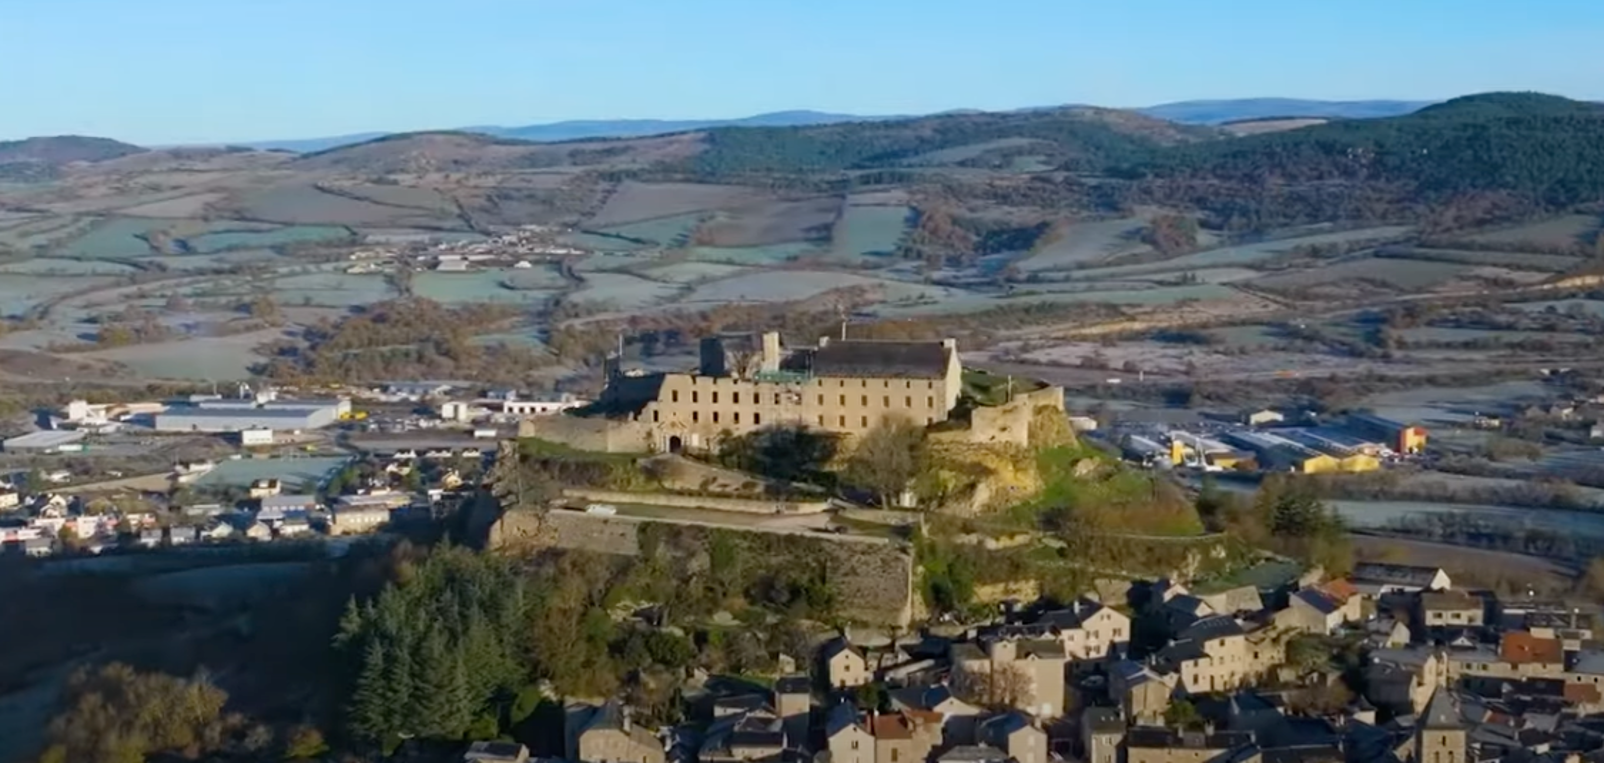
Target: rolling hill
{"type": "Point", "coordinates": [1234, 110]}
{"type": "Point", "coordinates": [38, 159]}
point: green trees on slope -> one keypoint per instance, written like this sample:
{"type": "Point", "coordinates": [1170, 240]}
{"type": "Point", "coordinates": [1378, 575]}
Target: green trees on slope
{"type": "Point", "coordinates": [435, 650]}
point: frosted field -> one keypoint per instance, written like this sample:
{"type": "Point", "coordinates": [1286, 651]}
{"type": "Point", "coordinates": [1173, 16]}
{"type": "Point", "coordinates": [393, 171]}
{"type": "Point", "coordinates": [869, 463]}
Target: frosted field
{"type": "Point", "coordinates": [1400, 274]}
{"type": "Point", "coordinates": [669, 232]}
{"type": "Point", "coordinates": [1586, 307]}
{"type": "Point", "coordinates": [869, 231]}
{"type": "Point", "coordinates": [1455, 335]}
{"type": "Point", "coordinates": [1564, 231]}
{"type": "Point", "coordinates": [796, 285]}
{"type": "Point", "coordinates": [190, 206]}
{"type": "Point", "coordinates": [634, 201]}
{"type": "Point", "coordinates": [770, 255]}
{"type": "Point", "coordinates": [195, 358]}
{"type": "Point", "coordinates": [1089, 242]}
{"type": "Point", "coordinates": [333, 290]}
{"type": "Point", "coordinates": [20, 293]}
{"type": "Point", "coordinates": [214, 242]}
{"type": "Point", "coordinates": [970, 303]}
{"type": "Point", "coordinates": [1523, 260]}
{"type": "Point", "coordinates": [1243, 255]}
{"type": "Point", "coordinates": [45, 266]}
{"type": "Point", "coordinates": [771, 223]}
{"type": "Point", "coordinates": [475, 286]}
{"type": "Point", "coordinates": [622, 291]}
{"type": "Point", "coordinates": [691, 273]}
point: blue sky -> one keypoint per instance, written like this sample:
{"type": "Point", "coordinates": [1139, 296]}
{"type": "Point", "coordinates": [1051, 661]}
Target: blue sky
{"type": "Point", "coordinates": [168, 71]}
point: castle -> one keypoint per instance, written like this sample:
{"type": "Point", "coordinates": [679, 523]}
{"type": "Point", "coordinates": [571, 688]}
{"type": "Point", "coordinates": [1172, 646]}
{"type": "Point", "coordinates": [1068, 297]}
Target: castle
{"type": "Point", "coordinates": [745, 382]}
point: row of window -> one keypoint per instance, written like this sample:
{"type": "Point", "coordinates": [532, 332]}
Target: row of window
{"type": "Point", "coordinates": [930, 384]}
{"type": "Point", "coordinates": [735, 398]}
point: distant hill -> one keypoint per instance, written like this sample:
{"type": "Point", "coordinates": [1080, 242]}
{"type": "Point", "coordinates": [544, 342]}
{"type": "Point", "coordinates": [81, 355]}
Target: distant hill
{"type": "Point", "coordinates": [1078, 137]}
{"type": "Point", "coordinates": [1234, 110]}
{"type": "Point", "coordinates": [1516, 151]}
{"type": "Point", "coordinates": [455, 151]}
{"type": "Point", "coordinates": [39, 159]}
{"type": "Point", "coordinates": [65, 149]}
{"type": "Point", "coordinates": [310, 145]}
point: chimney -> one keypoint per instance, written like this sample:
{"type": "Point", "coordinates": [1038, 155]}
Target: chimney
{"type": "Point", "coordinates": [771, 351]}
{"type": "Point", "coordinates": [625, 722]}
{"type": "Point", "coordinates": [950, 343]}
{"type": "Point", "coordinates": [824, 341]}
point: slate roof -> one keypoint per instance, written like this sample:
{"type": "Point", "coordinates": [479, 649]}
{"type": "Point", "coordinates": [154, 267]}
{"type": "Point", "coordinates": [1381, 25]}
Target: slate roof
{"type": "Point", "coordinates": [973, 753]}
{"type": "Point", "coordinates": [1450, 601]}
{"type": "Point", "coordinates": [1212, 627]}
{"type": "Point", "coordinates": [1405, 575]}
{"type": "Point", "coordinates": [795, 684]}
{"type": "Point", "coordinates": [1442, 713]}
{"type": "Point", "coordinates": [873, 358]}
{"type": "Point", "coordinates": [1323, 603]}
{"type": "Point", "coordinates": [1073, 616]}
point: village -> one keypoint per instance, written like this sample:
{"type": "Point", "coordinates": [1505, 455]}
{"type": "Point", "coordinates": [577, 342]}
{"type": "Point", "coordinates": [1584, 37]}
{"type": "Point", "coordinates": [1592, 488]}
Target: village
{"type": "Point", "coordinates": [1149, 671]}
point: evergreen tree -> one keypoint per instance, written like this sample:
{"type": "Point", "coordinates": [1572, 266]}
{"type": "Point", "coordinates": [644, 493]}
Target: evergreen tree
{"type": "Point", "coordinates": [401, 687]}
{"type": "Point", "coordinates": [371, 704]}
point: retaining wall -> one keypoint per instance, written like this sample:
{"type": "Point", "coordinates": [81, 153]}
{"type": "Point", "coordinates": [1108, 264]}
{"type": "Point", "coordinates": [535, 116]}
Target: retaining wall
{"type": "Point", "coordinates": [722, 504]}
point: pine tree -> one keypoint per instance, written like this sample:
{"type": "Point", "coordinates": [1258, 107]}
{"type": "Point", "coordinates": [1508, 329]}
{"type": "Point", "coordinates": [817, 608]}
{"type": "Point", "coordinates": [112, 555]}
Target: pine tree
{"type": "Point", "coordinates": [401, 689]}
{"type": "Point", "coordinates": [445, 707]}
{"type": "Point", "coordinates": [369, 714]}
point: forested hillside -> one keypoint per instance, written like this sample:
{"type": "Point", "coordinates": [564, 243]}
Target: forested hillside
{"type": "Point", "coordinates": [1541, 151]}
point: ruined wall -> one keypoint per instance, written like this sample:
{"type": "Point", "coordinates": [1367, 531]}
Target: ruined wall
{"type": "Point", "coordinates": [873, 580]}
{"type": "Point", "coordinates": [723, 504]}
{"type": "Point", "coordinates": [589, 433]}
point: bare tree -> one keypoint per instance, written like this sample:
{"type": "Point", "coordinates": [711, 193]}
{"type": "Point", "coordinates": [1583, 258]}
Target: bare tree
{"type": "Point", "coordinates": [888, 458]}
{"type": "Point", "coordinates": [999, 687]}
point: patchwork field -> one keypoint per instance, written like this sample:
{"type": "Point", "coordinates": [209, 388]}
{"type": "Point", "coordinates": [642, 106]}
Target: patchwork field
{"type": "Point", "coordinates": [673, 231]}
{"type": "Point", "coordinates": [1404, 275]}
{"type": "Point", "coordinates": [1089, 242]}
{"type": "Point", "coordinates": [772, 254]}
{"type": "Point", "coordinates": [482, 286]}
{"type": "Point", "coordinates": [634, 201]}
{"type": "Point", "coordinates": [771, 223]}
{"type": "Point", "coordinates": [866, 231]}
{"type": "Point", "coordinates": [1563, 231]}
{"type": "Point", "coordinates": [621, 291]}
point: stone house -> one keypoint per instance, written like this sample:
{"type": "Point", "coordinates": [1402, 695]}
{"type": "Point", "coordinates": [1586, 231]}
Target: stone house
{"type": "Point", "coordinates": [1102, 730]}
{"type": "Point", "coordinates": [606, 733]}
{"type": "Point", "coordinates": [905, 735]}
{"type": "Point", "coordinates": [1406, 677]}
{"type": "Point", "coordinates": [1090, 631]}
{"type": "Point", "coordinates": [746, 382]}
{"type": "Point", "coordinates": [845, 665]}
{"type": "Point", "coordinates": [847, 737]}
{"type": "Point", "coordinates": [1027, 674]}
{"type": "Point", "coordinates": [1451, 608]}
{"type": "Point", "coordinates": [1217, 654]}
{"type": "Point", "coordinates": [1442, 735]}
{"type": "Point", "coordinates": [1017, 735]}
{"type": "Point", "coordinates": [1311, 611]}
{"type": "Point", "coordinates": [1143, 694]}
{"type": "Point", "coordinates": [1162, 744]}
{"type": "Point", "coordinates": [958, 718]}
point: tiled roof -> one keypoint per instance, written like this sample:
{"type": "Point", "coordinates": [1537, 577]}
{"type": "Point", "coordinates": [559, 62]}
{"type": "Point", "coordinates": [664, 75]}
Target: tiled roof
{"type": "Point", "coordinates": [1522, 647]}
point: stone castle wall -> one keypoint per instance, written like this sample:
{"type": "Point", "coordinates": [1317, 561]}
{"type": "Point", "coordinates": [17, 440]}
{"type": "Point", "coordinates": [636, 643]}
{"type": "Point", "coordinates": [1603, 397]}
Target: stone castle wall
{"type": "Point", "coordinates": [722, 504]}
{"type": "Point", "coordinates": [873, 578]}
{"type": "Point", "coordinates": [613, 436]}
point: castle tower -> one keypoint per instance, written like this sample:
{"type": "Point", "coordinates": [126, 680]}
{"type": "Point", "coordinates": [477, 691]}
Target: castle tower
{"type": "Point", "coordinates": [1441, 734]}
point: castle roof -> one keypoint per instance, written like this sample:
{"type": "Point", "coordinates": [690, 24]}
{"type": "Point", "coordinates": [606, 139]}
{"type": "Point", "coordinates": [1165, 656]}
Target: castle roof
{"type": "Point", "coordinates": [879, 359]}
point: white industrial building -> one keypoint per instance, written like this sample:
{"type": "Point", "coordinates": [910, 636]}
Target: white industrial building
{"type": "Point", "coordinates": [256, 436]}
{"type": "Point", "coordinates": [238, 416]}
{"type": "Point", "coordinates": [46, 441]}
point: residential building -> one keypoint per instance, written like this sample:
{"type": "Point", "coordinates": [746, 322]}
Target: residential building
{"type": "Point", "coordinates": [1015, 734]}
{"type": "Point", "coordinates": [606, 733]}
{"type": "Point", "coordinates": [1263, 417]}
{"type": "Point", "coordinates": [904, 736]}
{"type": "Point", "coordinates": [358, 519]}
{"type": "Point", "coordinates": [1162, 744]}
{"type": "Point", "coordinates": [1102, 733]}
{"type": "Point", "coordinates": [284, 504]}
{"type": "Point", "coordinates": [1089, 630]}
{"type": "Point", "coordinates": [959, 718]}
{"type": "Point", "coordinates": [1311, 611]}
{"type": "Point", "coordinates": [1451, 608]}
{"type": "Point", "coordinates": [1027, 674]}
{"type": "Point", "coordinates": [847, 736]}
{"type": "Point", "coordinates": [746, 382]}
{"type": "Point", "coordinates": [262, 488]}
{"type": "Point", "coordinates": [10, 500]}
{"type": "Point", "coordinates": [1441, 734]}
{"type": "Point", "coordinates": [844, 665]}
{"type": "Point", "coordinates": [1376, 579]}
{"type": "Point", "coordinates": [1143, 694]}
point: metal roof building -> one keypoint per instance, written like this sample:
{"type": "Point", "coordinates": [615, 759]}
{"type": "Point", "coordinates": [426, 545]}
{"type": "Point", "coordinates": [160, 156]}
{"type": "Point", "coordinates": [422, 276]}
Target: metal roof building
{"type": "Point", "coordinates": [43, 440]}
{"type": "Point", "coordinates": [236, 419]}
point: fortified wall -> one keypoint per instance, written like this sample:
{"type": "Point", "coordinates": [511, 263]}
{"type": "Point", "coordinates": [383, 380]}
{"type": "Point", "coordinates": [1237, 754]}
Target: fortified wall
{"type": "Point", "coordinates": [612, 436]}
{"type": "Point", "coordinates": [873, 578]}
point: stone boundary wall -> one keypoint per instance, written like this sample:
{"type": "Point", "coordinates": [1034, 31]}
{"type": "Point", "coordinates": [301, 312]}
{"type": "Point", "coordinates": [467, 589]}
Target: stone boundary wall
{"type": "Point", "coordinates": [611, 436]}
{"type": "Point", "coordinates": [873, 577]}
{"type": "Point", "coordinates": [719, 503]}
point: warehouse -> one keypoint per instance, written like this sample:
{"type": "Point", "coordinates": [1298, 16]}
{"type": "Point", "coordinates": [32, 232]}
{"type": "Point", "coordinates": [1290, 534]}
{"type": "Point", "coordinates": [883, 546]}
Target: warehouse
{"type": "Point", "coordinates": [1403, 438]}
{"type": "Point", "coordinates": [46, 441]}
{"type": "Point", "coordinates": [1280, 454]}
{"type": "Point", "coordinates": [238, 418]}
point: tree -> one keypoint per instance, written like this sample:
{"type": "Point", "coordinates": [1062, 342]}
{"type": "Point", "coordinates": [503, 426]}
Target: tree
{"type": "Point", "coordinates": [118, 714]}
{"type": "Point", "coordinates": [1183, 715]}
{"type": "Point", "coordinates": [888, 458]}
{"type": "Point", "coordinates": [999, 687]}
{"type": "Point", "coordinates": [1593, 579]}
{"type": "Point", "coordinates": [305, 743]}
